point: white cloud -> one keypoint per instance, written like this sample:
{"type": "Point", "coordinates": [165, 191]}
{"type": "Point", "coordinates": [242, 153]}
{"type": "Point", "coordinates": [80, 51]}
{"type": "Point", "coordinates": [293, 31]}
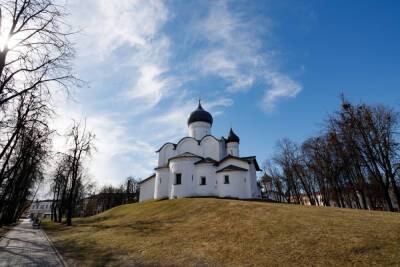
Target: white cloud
{"type": "Point", "coordinates": [107, 25]}
{"type": "Point", "coordinates": [149, 86]}
{"type": "Point", "coordinates": [130, 29]}
{"type": "Point", "coordinates": [235, 53]}
{"type": "Point", "coordinates": [118, 152]}
{"type": "Point", "coordinates": [281, 86]}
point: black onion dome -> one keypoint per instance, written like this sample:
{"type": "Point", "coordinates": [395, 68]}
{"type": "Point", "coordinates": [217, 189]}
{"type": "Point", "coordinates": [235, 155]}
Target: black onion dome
{"type": "Point", "coordinates": [200, 115]}
{"type": "Point", "coordinates": [232, 137]}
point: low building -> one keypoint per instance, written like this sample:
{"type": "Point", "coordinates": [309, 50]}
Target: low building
{"type": "Point", "coordinates": [41, 209]}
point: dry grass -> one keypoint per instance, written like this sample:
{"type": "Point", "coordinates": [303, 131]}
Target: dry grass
{"type": "Point", "coordinates": [192, 232]}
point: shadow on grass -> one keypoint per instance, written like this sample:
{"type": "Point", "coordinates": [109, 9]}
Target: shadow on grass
{"type": "Point", "coordinates": [80, 253]}
{"type": "Point", "coordinates": [77, 254]}
{"type": "Point", "coordinates": [138, 227]}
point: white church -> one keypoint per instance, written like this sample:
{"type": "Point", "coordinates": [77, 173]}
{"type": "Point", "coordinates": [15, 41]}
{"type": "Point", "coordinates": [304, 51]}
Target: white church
{"type": "Point", "coordinates": [202, 165]}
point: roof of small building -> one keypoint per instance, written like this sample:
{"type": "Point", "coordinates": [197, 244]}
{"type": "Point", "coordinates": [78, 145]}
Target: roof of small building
{"type": "Point", "coordinates": [200, 115]}
{"type": "Point", "coordinates": [231, 168]}
{"type": "Point", "coordinates": [148, 178]}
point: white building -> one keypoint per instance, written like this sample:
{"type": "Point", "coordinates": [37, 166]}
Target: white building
{"type": "Point", "coordinates": [41, 209]}
{"type": "Point", "coordinates": [202, 165]}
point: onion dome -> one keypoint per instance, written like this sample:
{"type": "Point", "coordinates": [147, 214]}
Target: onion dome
{"type": "Point", "coordinates": [200, 115]}
{"type": "Point", "coordinates": [232, 137]}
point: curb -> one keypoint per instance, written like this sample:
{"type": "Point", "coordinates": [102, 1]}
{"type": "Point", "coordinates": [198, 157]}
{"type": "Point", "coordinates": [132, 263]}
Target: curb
{"type": "Point", "coordinates": [64, 264]}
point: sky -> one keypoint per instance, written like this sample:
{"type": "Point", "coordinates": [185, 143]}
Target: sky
{"type": "Point", "coordinates": [271, 69]}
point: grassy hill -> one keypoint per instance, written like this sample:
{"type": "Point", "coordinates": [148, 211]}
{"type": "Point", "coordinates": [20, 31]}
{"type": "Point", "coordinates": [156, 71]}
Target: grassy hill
{"type": "Point", "coordinates": [208, 231]}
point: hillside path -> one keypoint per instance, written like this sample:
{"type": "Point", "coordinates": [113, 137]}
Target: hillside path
{"type": "Point", "coordinates": [25, 246]}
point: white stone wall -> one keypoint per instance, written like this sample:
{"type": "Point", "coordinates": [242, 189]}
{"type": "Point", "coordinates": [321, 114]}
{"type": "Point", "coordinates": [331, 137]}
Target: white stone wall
{"type": "Point", "coordinates": [232, 148]}
{"type": "Point", "coordinates": [147, 189]}
{"type": "Point", "coordinates": [210, 148]}
{"type": "Point", "coordinates": [237, 187]}
{"type": "Point", "coordinates": [254, 190]}
{"type": "Point", "coordinates": [242, 184]}
{"type": "Point", "coordinates": [211, 187]}
{"type": "Point", "coordinates": [161, 183]}
{"type": "Point", "coordinates": [166, 152]}
{"type": "Point", "coordinates": [188, 144]}
{"type": "Point", "coordinates": [184, 166]}
{"type": "Point", "coordinates": [199, 129]}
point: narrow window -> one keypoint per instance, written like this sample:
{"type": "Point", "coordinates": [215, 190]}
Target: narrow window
{"type": "Point", "coordinates": [178, 178]}
{"type": "Point", "coordinates": [160, 180]}
{"type": "Point", "coordinates": [226, 179]}
{"type": "Point", "coordinates": [202, 180]}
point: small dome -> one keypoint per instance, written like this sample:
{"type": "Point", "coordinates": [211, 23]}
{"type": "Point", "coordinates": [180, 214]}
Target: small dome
{"type": "Point", "coordinates": [232, 137]}
{"type": "Point", "coordinates": [200, 115]}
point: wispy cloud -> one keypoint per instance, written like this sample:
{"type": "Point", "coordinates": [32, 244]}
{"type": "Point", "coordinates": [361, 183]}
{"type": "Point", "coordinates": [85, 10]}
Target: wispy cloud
{"type": "Point", "coordinates": [280, 86]}
{"type": "Point", "coordinates": [237, 54]}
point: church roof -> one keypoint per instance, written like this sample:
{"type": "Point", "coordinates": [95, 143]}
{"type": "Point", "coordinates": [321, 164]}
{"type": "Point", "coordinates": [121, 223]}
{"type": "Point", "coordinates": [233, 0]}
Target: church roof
{"type": "Point", "coordinates": [231, 168]}
{"type": "Point", "coordinates": [206, 160]}
{"type": "Point", "coordinates": [148, 178]}
{"type": "Point", "coordinates": [254, 160]}
{"type": "Point", "coordinates": [232, 137]}
{"type": "Point", "coordinates": [188, 137]}
{"type": "Point", "coordinates": [200, 115]}
{"type": "Point", "coordinates": [185, 155]}
{"type": "Point", "coordinates": [249, 160]}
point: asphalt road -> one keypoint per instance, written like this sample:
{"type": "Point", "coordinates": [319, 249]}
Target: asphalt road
{"type": "Point", "coordinates": [25, 246]}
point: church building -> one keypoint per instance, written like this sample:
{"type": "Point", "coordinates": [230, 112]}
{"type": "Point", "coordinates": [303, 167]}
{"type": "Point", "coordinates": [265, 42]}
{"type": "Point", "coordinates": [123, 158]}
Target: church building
{"type": "Point", "coordinates": [202, 165]}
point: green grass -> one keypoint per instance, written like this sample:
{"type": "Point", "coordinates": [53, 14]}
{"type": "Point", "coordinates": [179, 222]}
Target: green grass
{"type": "Point", "coordinates": [192, 232]}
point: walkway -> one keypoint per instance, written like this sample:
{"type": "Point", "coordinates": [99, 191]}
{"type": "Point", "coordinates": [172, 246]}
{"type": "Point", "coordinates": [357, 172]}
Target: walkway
{"type": "Point", "coordinates": [24, 246]}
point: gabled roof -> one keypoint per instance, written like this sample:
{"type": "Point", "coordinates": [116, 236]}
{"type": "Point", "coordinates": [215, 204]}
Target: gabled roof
{"type": "Point", "coordinates": [161, 167]}
{"type": "Point", "coordinates": [148, 178]}
{"type": "Point", "coordinates": [249, 160]}
{"type": "Point", "coordinates": [206, 160]}
{"type": "Point", "coordinates": [231, 168]}
{"type": "Point", "coordinates": [188, 137]}
{"type": "Point", "coordinates": [185, 155]}
{"type": "Point", "coordinates": [254, 160]}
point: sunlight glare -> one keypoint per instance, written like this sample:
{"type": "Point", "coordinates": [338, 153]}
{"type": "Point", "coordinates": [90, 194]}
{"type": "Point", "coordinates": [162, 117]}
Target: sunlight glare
{"type": "Point", "coordinates": [3, 41]}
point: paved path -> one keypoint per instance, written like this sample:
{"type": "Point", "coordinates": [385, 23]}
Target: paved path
{"type": "Point", "coordinates": [24, 246]}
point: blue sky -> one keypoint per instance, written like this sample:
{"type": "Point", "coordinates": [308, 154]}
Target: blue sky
{"type": "Point", "coordinates": [272, 69]}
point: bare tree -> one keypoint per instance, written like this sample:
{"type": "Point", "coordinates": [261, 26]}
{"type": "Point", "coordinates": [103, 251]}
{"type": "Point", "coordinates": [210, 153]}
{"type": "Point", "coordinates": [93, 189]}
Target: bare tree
{"type": "Point", "coordinates": [35, 50]}
{"type": "Point", "coordinates": [354, 163]}
{"type": "Point", "coordinates": [35, 60]}
{"type": "Point", "coordinates": [81, 145]}
{"type": "Point", "coordinates": [23, 158]}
